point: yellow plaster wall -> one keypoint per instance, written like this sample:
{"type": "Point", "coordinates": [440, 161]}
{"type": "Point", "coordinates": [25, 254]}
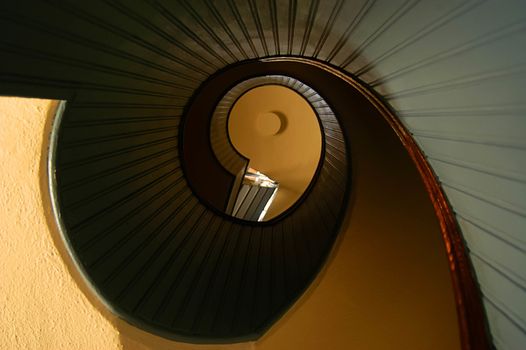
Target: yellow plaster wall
{"type": "Point", "coordinates": [41, 306]}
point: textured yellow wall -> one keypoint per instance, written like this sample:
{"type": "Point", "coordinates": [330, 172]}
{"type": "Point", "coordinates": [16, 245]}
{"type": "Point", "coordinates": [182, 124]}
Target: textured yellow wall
{"type": "Point", "coordinates": [41, 306]}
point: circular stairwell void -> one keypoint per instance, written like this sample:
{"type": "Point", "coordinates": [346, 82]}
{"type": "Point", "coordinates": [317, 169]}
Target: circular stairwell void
{"type": "Point", "coordinates": [278, 130]}
{"type": "Point", "coordinates": [290, 153]}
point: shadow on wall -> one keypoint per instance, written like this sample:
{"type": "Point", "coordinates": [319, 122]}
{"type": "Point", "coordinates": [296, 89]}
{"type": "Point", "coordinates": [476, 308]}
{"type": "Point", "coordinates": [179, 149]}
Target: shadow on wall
{"type": "Point", "coordinates": [133, 338]}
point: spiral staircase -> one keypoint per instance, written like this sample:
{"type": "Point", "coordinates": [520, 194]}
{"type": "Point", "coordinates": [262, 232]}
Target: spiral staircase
{"type": "Point", "coordinates": [142, 79]}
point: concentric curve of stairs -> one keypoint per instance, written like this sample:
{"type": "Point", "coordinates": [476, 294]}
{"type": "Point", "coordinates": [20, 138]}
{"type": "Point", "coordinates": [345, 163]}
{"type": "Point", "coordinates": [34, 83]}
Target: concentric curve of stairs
{"type": "Point", "coordinates": [453, 71]}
